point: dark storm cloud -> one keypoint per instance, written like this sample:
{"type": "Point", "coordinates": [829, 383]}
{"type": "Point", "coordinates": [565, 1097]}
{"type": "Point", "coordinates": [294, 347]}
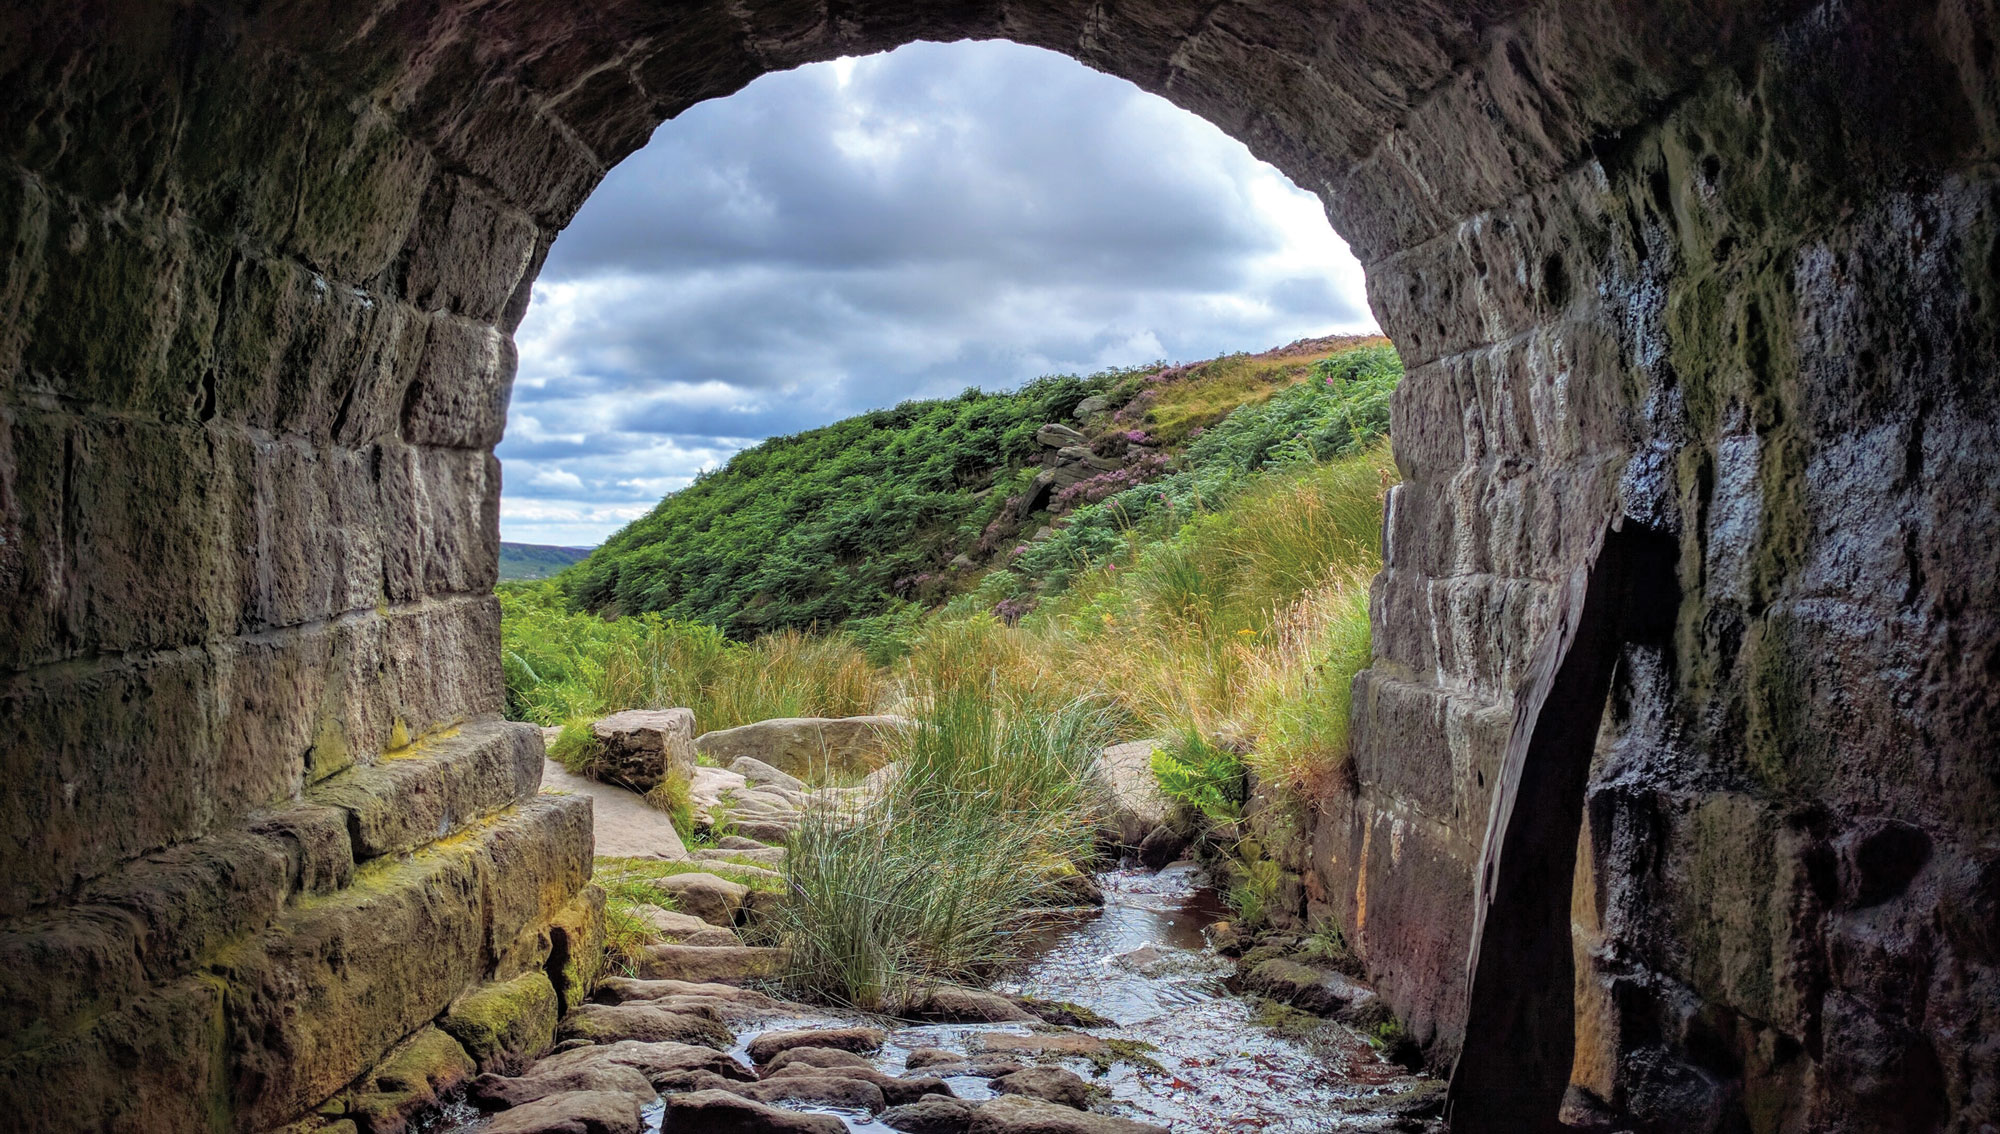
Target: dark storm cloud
{"type": "Point", "coordinates": [850, 235]}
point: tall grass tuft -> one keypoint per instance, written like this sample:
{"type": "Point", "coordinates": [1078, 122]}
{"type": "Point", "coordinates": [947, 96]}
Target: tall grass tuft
{"type": "Point", "coordinates": [991, 808]}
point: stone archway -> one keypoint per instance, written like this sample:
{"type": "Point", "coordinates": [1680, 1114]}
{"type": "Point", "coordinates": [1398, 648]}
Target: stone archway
{"type": "Point", "coordinates": [1728, 269]}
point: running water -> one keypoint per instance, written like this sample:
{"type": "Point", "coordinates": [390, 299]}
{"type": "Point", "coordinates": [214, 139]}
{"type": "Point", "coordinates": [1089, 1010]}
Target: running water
{"type": "Point", "coordinates": [1142, 962]}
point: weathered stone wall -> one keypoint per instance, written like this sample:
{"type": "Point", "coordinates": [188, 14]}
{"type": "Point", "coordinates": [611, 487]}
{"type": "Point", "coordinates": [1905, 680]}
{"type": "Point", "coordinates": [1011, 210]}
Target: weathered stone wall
{"type": "Point", "coordinates": [1726, 268]}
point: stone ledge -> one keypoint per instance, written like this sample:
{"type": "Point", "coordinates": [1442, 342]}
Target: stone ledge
{"type": "Point", "coordinates": [317, 998]}
{"type": "Point", "coordinates": [424, 792]}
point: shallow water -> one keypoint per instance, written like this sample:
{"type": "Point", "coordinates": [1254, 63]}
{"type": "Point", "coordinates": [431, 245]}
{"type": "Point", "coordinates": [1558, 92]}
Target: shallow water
{"type": "Point", "coordinates": [1142, 962]}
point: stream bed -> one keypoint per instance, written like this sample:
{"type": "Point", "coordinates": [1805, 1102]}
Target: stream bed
{"type": "Point", "coordinates": [1143, 963]}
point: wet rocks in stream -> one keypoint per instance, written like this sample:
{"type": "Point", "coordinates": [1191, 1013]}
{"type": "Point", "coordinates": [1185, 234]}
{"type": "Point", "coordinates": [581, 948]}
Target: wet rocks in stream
{"type": "Point", "coordinates": [1120, 1024]}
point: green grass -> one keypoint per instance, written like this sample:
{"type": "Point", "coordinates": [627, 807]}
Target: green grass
{"type": "Point", "coordinates": [990, 811]}
{"type": "Point", "coordinates": [563, 667]}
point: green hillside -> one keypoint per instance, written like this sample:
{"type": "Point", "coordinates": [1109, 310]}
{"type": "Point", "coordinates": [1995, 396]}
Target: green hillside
{"type": "Point", "coordinates": [907, 508]}
{"type": "Point", "coordinates": [520, 561]}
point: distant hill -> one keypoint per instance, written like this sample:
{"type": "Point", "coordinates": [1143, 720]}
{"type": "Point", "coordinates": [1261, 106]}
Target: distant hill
{"type": "Point", "coordinates": [536, 560]}
{"type": "Point", "coordinates": [914, 504]}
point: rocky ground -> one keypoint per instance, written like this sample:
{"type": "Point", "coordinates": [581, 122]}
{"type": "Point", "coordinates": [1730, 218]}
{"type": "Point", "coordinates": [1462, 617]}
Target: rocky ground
{"type": "Point", "coordinates": [1142, 1012]}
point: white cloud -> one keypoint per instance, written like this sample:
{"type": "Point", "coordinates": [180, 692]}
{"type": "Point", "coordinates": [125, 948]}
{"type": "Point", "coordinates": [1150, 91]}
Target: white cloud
{"type": "Point", "coordinates": [855, 233]}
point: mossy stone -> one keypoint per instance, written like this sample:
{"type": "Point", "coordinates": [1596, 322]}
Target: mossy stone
{"type": "Point", "coordinates": [507, 1023]}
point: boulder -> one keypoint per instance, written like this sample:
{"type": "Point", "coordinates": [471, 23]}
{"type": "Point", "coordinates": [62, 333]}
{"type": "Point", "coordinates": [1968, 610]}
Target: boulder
{"type": "Point", "coordinates": [720, 1112]}
{"type": "Point", "coordinates": [574, 1112]}
{"type": "Point", "coordinates": [1055, 436]}
{"type": "Point", "coordinates": [765, 1047]}
{"type": "Point", "coordinates": [1051, 1084]}
{"type": "Point", "coordinates": [1307, 988]}
{"type": "Point", "coordinates": [956, 1004]}
{"type": "Point", "coordinates": [1134, 805]}
{"type": "Point", "coordinates": [727, 965]}
{"type": "Point", "coordinates": [758, 772]}
{"type": "Point", "coordinates": [647, 1023]}
{"type": "Point", "coordinates": [1079, 455]}
{"type": "Point", "coordinates": [1162, 845]}
{"type": "Point", "coordinates": [712, 899]}
{"type": "Point", "coordinates": [799, 745]}
{"type": "Point", "coordinates": [738, 842]}
{"type": "Point", "coordinates": [960, 562]}
{"type": "Point", "coordinates": [640, 747]}
{"type": "Point", "coordinates": [1091, 406]}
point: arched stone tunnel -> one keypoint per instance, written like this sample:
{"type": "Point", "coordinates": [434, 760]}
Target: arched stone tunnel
{"type": "Point", "coordinates": [1725, 271]}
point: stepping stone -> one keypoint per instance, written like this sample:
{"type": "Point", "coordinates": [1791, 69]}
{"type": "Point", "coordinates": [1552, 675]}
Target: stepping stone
{"type": "Point", "coordinates": [712, 899]}
{"type": "Point", "coordinates": [1050, 1084]}
{"type": "Point", "coordinates": [1059, 1043]}
{"type": "Point", "coordinates": [647, 1023]}
{"type": "Point", "coordinates": [720, 1112]}
{"type": "Point", "coordinates": [820, 1057]}
{"type": "Point", "coordinates": [893, 1089]}
{"type": "Point", "coordinates": [737, 964]}
{"type": "Point", "coordinates": [667, 1066]}
{"type": "Point", "coordinates": [1018, 1114]}
{"type": "Point", "coordinates": [576, 1112]}
{"type": "Point", "coordinates": [767, 1046]}
{"type": "Point", "coordinates": [932, 1114]}
{"type": "Point", "coordinates": [956, 1004]}
{"type": "Point", "coordinates": [809, 1085]}
{"type": "Point", "coordinates": [499, 1092]}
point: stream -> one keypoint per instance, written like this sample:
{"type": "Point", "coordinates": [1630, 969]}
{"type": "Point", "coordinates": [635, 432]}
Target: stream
{"type": "Point", "coordinates": [1142, 962]}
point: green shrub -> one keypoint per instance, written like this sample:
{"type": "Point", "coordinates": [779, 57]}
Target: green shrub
{"type": "Point", "coordinates": [1200, 775]}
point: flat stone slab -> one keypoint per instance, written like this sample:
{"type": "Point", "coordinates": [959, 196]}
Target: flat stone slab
{"type": "Point", "coordinates": [626, 825]}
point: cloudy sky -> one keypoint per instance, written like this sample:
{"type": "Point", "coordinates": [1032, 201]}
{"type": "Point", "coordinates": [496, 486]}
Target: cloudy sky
{"type": "Point", "coordinates": [856, 233]}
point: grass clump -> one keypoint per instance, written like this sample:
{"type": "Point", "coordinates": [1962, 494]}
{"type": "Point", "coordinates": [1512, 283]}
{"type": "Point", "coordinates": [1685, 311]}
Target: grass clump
{"type": "Point", "coordinates": [990, 807]}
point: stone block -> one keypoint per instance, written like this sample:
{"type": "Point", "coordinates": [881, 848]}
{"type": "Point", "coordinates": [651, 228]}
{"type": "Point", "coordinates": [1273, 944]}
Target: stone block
{"type": "Point", "coordinates": [104, 761]}
{"type": "Point", "coordinates": [467, 251]}
{"type": "Point", "coordinates": [298, 705]}
{"type": "Point", "coordinates": [152, 1065]}
{"type": "Point", "coordinates": [533, 860]}
{"type": "Point", "coordinates": [316, 999]}
{"type": "Point", "coordinates": [24, 228]}
{"type": "Point", "coordinates": [41, 619]}
{"type": "Point", "coordinates": [442, 659]}
{"type": "Point", "coordinates": [578, 930]}
{"type": "Point", "coordinates": [316, 846]}
{"type": "Point", "coordinates": [118, 289]}
{"type": "Point", "coordinates": [435, 786]}
{"type": "Point", "coordinates": [641, 747]}
{"type": "Point", "coordinates": [441, 513]}
{"type": "Point", "coordinates": [359, 182]}
{"type": "Point", "coordinates": [62, 968]}
{"type": "Point", "coordinates": [407, 1083]}
{"type": "Point", "coordinates": [505, 1025]}
{"type": "Point", "coordinates": [151, 556]}
{"type": "Point", "coordinates": [458, 397]}
{"type": "Point", "coordinates": [310, 516]}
